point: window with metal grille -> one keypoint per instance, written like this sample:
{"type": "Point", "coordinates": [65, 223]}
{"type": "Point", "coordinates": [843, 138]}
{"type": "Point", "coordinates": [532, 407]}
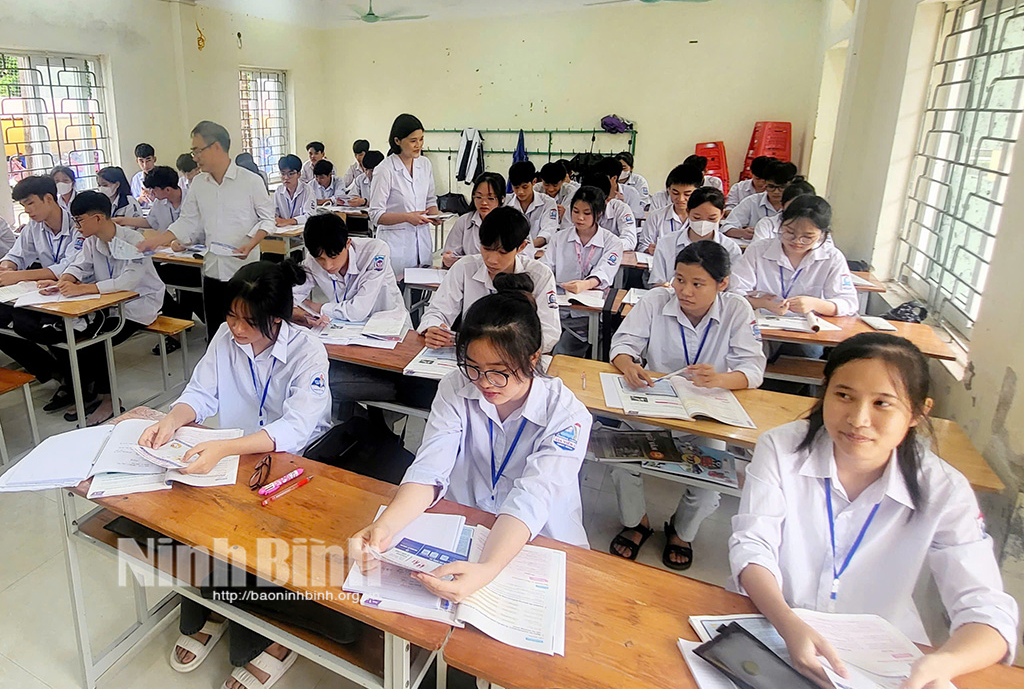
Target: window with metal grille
{"type": "Point", "coordinates": [959, 173]}
{"type": "Point", "coordinates": [53, 112]}
{"type": "Point", "coordinates": [263, 104]}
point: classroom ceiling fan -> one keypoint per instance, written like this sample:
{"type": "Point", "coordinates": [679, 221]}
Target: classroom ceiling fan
{"type": "Point", "coordinates": [646, 2]}
{"type": "Point", "coordinates": [371, 17]}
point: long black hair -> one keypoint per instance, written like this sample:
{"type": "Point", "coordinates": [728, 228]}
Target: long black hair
{"type": "Point", "coordinates": [905, 362]}
{"type": "Point", "coordinates": [404, 125]}
{"type": "Point", "coordinates": [508, 319]}
{"type": "Point", "coordinates": [124, 189]}
{"type": "Point", "coordinates": [265, 289]}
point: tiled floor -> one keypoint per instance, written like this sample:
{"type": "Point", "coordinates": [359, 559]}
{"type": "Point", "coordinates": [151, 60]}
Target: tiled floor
{"type": "Point", "coordinates": [37, 640]}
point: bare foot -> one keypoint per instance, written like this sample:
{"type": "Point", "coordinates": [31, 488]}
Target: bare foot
{"type": "Point", "coordinates": [276, 650]}
{"type": "Point", "coordinates": [186, 657]}
{"type": "Point", "coordinates": [633, 535]}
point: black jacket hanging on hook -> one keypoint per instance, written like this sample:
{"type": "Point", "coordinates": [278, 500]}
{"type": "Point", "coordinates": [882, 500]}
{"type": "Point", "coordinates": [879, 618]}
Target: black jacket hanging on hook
{"type": "Point", "coordinates": [470, 161]}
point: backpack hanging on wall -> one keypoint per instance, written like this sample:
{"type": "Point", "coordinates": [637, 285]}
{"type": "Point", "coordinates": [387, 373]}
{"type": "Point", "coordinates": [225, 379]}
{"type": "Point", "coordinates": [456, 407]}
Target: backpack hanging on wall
{"type": "Point", "coordinates": [613, 124]}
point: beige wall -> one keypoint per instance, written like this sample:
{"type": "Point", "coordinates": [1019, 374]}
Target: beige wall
{"type": "Point", "coordinates": [753, 60]}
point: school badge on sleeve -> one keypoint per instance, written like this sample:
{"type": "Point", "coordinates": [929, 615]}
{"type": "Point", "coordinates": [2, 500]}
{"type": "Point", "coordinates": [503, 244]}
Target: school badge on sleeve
{"type": "Point", "coordinates": [319, 384]}
{"type": "Point", "coordinates": [552, 299]}
{"type": "Point", "coordinates": [567, 438]}
{"type": "Point", "coordinates": [378, 263]}
{"type": "Point", "coordinates": [613, 259]}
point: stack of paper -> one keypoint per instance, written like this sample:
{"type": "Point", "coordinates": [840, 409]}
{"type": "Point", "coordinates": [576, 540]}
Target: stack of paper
{"type": "Point", "coordinates": [10, 293]}
{"type": "Point", "coordinates": [432, 363]}
{"type": "Point", "coordinates": [634, 295]}
{"type": "Point", "coordinates": [387, 325]}
{"type": "Point", "coordinates": [59, 461]}
{"type": "Point", "coordinates": [675, 398]}
{"type": "Point", "coordinates": [424, 276]}
{"type": "Point", "coordinates": [34, 298]}
{"type": "Point", "coordinates": [347, 333]}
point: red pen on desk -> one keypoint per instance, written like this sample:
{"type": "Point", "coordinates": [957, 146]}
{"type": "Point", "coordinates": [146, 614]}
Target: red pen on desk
{"type": "Point", "coordinates": [287, 490]}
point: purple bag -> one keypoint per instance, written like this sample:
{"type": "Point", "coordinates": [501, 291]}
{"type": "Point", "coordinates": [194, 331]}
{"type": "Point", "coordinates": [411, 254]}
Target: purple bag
{"type": "Point", "coordinates": [613, 124]}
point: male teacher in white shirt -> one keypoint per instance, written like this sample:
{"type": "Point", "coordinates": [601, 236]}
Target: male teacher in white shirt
{"type": "Point", "coordinates": [228, 209]}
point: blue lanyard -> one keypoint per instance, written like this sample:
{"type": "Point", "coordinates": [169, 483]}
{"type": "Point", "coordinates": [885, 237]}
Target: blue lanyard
{"type": "Point", "coordinates": [782, 282]}
{"type": "Point", "coordinates": [832, 534]}
{"type": "Point", "coordinates": [110, 267]}
{"type": "Point", "coordinates": [56, 254]}
{"type": "Point", "coordinates": [496, 473]}
{"type": "Point", "coordinates": [256, 386]}
{"type": "Point", "coordinates": [298, 195]}
{"type": "Point", "coordinates": [344, 297]}
{"type": "Point", "coordinates": [700, 348]}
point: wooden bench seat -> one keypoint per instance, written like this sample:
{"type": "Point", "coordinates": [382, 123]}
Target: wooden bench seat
{"type": "Point", "coordinates": [165, 325]}
{"type": "Point", "coordinates": [12, 380]}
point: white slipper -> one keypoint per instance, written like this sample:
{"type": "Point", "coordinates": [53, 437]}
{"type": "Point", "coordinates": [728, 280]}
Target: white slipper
{"type": "Point", "coordinates": [197, 648]}
{"type": "Point", "coordinates": [268, 664]}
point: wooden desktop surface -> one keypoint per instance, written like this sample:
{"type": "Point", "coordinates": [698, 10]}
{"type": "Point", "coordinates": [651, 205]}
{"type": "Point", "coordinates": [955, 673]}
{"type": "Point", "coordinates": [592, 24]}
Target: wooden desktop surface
{"type": "Point", "coordinates": [922, 335]}
{"type": "Point", "coordinates": [875, 286]}
{"type": "Point", "coordinates": [387, 359]}
{"type": "Point", "coordinates": [75, 309]}
{"type": "Point", "coordinates": [178, 260]}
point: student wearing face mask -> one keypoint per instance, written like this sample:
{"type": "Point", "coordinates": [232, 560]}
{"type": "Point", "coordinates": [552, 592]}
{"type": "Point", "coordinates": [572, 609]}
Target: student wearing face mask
{"type": "Point", "coordinates": [697, 325]}
{"type": "Point", "coordinates": [504, 235]}
{"type": "Point", "coordinates": [464, 239]}
{"type": "Point", "coordinates": [630, 178]}
{"type": "Point", "coordinates": [703, 214]}
{"type": "Point", "coordinates": [65, 179]}
{"type": "Point", "coordinates": [113, 182]}
{"type": "Point", "coordinates": [740, 223]}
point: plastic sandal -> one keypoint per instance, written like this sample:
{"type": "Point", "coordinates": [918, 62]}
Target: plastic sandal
{"type": "Point", "coordinates": [197, 648]}
{"type": "Point", "coordinates": [267, 663]}
{"type": "Point", "coordinates": [670, 550]}
{"type": "Point", "coordinates": [628, 543]}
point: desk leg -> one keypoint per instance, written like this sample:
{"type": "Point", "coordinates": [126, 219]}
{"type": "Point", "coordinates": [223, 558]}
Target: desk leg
{"type": "Point", "coordinates": [594, 334]}
{"type": "Point", "coordinates": [67, 510]}
{"type": "Point", "coordinates": [30, 408]}
{"type": "Point", "coordinates": [76, 376]}
{"type": "Point", "coordinates": [115, 401]}
{"type": "Point", "coordinates": [184, 355]}
{"type": "Point", "coordinates": [442, 671]}
{"type": "Point", "coordinates": [397, 662]}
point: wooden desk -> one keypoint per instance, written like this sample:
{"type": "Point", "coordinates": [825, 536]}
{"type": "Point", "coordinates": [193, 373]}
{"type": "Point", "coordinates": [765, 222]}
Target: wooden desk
{"type": "Point", "coordinates": [190, 261]}
{"type": "Point", "coordinates": [385, 359]}
{"type": "Point", "coordinates": [83, 307]}
{"type": "Point", "coordinates": [876, 285]}
{"type": "Point", "coordinates": [921, 334]}
{"type": "Point", "coordinates": [767, 410]}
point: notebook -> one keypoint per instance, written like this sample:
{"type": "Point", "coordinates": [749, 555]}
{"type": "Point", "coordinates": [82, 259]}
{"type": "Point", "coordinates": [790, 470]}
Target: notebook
{"type": "Point", "coordinates": [675, 398]}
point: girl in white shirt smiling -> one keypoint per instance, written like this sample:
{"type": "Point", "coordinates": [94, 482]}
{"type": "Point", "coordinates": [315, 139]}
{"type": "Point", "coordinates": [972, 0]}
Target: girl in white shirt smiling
{"type": "Point", "coordinates": [464, 239]}
{"type": "Point", "coordinates": [496, 408]}
{"type": "Point", "coordinates": [841, 510]}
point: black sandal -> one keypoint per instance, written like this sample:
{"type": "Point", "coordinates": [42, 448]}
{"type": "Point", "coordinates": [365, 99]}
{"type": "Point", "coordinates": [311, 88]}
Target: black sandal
{"type": "Point", "coordinates": [628, 543]}
{"type": "Point", "coordinates": [672, 549]}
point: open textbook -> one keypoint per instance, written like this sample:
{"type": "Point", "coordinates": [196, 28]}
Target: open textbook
{"type": "Point", "coordinates": [675, 398]}
{"type": "Point", "coordinates": [35, 298]}
{"type": "Point", "coordinates": [111, 455]}
{"type": "Point", "coordinates": [524, 606]}
{"type": "Point", "coordinates": [11, 293]}
{"type": "Point", "coordinates": [432, 363]}
{"type": "Point", "coordinates": [384, 330]}
{"type": "Point", "coordinates": [807, 323]}
{"type": "Point", "coordinates": [594, 298]}
{"type": "Point", "coordinates": [877, 654]}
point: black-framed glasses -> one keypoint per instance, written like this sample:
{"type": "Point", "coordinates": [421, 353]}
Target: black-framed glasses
{"type": "Point", "coordinates": [196, 151]}
{"type": "Point", "coordinates": [498, 379]}
{"type": "Point", "coordinates": [776, 187]}
{"type": "Point", "coordinates": [288, 174]}
{"type": "Point", "coordinates": [260, 474]}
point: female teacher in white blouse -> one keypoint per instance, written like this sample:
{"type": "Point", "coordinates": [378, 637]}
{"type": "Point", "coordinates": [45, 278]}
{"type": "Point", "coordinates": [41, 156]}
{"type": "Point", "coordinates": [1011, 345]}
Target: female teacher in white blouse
{"type": "Point", "coordinates": [402, 197]}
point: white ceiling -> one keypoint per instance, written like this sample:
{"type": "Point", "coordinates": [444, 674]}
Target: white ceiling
{"type": "Point", "coordinates": [334, 13]}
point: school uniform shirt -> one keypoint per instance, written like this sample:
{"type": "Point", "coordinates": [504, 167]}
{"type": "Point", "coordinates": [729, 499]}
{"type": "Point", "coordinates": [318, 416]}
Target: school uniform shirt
{"type": "Point", "coordinates": [540, 483]}
{"type": "Point", "coordinates": [564, 196]}
{"type": "Point", "coordinates": [334, 192]}
{"type": "Point", "coordinates": [7, 238]}
{"type": "Point", "coordinates": [767, 227]}
{"type": "Point", "coordinates": [619, 220]}
{"type": "Point", "coordinates": [162, 214]}
{"type": "Point", "coordinates": [542, 214]}
{"type": "Point", "coordinates": [352, 174]}
{"type": "Point", "coordinates": [748, 211]}
{"type": "Point", "coordinates": [464, 238]}
{"type": "Point", "coordinates": [467, 282]}
{"type": "Point", "coordinates": [368, 285]}
{"type": "Point", "coordinates": [783, 526]}
{"type": "Point", "coordinates": [360, 187]}
{"type": "Point", "coordinates": [639, 183]}
{"type": "Point", "coordinates": [103, 265]}
{"type": "Point", "coordinates": [823, 273]}
{"type": "Point", "coordinates": [132, 209]}
{"type": "Point", "coordinates": [306, 173]}
{"type": "Point", "coordinates": [288, 381]}
{"type": "Point", "coordinates": [299, 205]}
{"type": "Point", "coordinates": [38, 244]}
{"type": "Point", "coordinates": [230, 213]}
{"type": "Point", "coordinates": [631, 197]}
{"type": "Point", "coordinates": [66, 205]}
{"type": "Point", "coordinates": [714, 182]}
{"type": "Point", "coordinates": [569, 259]}
{"type": "Point", "coordinates": [738, 192]}
{"type": "Point", "coordinates": [137, 188]}
{"type": "Point", "coordinates": [659, 200]}
{"type": "Point", "coordinates": [660, 223]}
{"type": "Point", "coordinates": [727, 336]}
{"type": "Point", "coordinates": [394, 190]}
{"type": "Point", "coordinates": [663, 263]}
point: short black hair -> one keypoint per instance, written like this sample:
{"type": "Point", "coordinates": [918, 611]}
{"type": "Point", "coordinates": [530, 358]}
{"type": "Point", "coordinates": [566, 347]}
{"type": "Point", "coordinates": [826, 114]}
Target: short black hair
{"type": "Point", "coordinates": [626, 157]}
{"type": "Point", "coordinates": [185, 163]}
{"type": "Point", "coordinates": [508, 320]}
{"type": "Point", "coordinates": [144, 151]}
{"type": "Point", "coordinates": [521, 173]}
{"type": "Point", "coordinates": [814, 208]}
{"type": "Point", "coordinates": [161, 177]}
{"type": "Point", "coordinates": [90, 202]}
{"type": "Point", "coordinates": [699, 162]}
{"type": "Point", "coordinates": [781, 173]}
{"type": "Point", "coordinates": [213, 133]}
{"type": "Point", "coordinates": [609, 167]}
{"type": "Point", "coordinates": [290, 162]}
{"type": "Point", "coordinates": [37, 185]}
{"type": "Point", "coordinates": [66, 170]}
{"type": "Point", "coordinates": [552, 173]}
{"type": "Point", "coordinates": [317, 146]}
{"type": "Point", "coordinates": [323, 167]}
{"type": "Point", "coordinates": [360, 146]}
{"type": "Point", "coordinates": [686, 175]}
{"type": "Point", "coordinates": [798, 187]}
{"type": "Point", "coordinates": [372, 159]}
{"type": "Point", "coordinates": [265, 292]}
{"type": "Point", "coordinates": [599, 181]}
{"type": "Point", "coordinates": [760, 165]}
{"type": "Point", "coordinates": [593, 197]}
{"type": "Point", "coordinates": [495, 181]}
{"type": "Point", "coordinates": [504, 229]}
{"type": "Point", "coordinates": [702, 195]}
{"type": "Point", "coordinates": [325, 233]}
{"type": "Point", "coordinates": [404, 125]}
{"type": "Point", "coordinates": [709, 255]}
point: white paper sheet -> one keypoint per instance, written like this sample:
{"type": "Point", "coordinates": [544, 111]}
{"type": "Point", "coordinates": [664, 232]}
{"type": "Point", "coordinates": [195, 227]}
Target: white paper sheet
{"type": "Point", "coordinates": [634, 295]}
{"type": "Point", "coordinates": [424, 276]}
{"type": "Point", "coordinates": [11, 293]}
{"type": "Point", "coordinates": [60, 460]}
{"type": "Point", "coordinates": [36, 298]}
{"type": "Point", "coordinates": [593, 298]}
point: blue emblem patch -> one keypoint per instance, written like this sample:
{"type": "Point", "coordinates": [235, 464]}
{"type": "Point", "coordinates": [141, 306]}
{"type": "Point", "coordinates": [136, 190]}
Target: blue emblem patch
{"type": "Point", "coordinates": [319, 384]}
{"type": "Point", "coordinates": [378, 263]}
{"type": "Point", "coordinates": [567, 438]}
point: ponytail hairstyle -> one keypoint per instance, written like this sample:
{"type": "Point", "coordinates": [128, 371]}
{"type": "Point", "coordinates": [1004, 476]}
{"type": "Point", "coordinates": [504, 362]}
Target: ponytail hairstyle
{"type": "Point", "coordinates": [403, 126]}
{"type": "Point", "coordinates": [116, 176]}
{"type": "Point", "coordinates": [509, 320]}
{"type": "Point", "coordinates": [261, 293]}
{"type": "Point", "coordinates": [906, 364]}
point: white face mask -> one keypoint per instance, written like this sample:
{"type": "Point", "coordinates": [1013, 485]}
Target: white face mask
{"type": "Point", "coordinates": [624, 176]}
{"type": "Point", "coordinates": [703, 227]}
{"type": "Point", "coordinates": [110, 192]}
{"type": "Point", "coordinates": [64, 188]}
